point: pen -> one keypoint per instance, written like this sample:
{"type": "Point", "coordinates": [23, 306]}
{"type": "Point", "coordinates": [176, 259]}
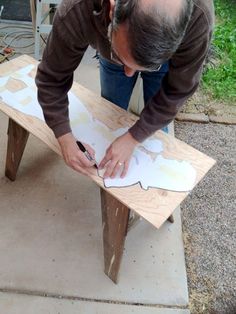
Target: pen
{"type": "Point", "coordinates": [86, 153]}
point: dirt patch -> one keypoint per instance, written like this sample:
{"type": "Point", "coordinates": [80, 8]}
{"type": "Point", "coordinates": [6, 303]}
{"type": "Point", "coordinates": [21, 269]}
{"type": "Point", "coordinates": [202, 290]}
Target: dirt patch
{"type": "Point", "coordinates": [203, 103]}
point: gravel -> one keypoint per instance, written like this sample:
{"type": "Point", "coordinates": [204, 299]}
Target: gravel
{"type": "Point", "coordinates": [209, 221]}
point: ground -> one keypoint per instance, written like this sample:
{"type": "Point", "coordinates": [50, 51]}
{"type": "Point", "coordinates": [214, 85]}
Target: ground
{"type": "Point", "coordinates": [209, 214]}
{"type": "Point", "coordinates": [200, 102]}
{"type": "Point", "coordinates": [209, 218]}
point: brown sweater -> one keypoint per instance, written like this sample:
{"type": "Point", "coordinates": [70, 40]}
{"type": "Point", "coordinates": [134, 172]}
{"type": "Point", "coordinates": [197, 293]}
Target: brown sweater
{"type": "Point", "coordinates": [78, 24]}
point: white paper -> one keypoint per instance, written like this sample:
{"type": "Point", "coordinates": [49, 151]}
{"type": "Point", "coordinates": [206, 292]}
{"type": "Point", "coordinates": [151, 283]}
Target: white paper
{"type": "Point", "coordinates": [147, 166]}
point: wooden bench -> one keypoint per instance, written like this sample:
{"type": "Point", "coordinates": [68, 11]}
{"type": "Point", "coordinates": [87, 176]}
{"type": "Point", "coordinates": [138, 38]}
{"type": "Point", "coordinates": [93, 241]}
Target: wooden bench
{"type": "Point", "coordinates": [154, 205]}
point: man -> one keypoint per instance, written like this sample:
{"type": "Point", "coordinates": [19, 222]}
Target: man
{"type": "Point", "coordinates": [165, 40]}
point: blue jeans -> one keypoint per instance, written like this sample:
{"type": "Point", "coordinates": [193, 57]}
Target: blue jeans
{"type": "Point", "coordinates": [117, 87]}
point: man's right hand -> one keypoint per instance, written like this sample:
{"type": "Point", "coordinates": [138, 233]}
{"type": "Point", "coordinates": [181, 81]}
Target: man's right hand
{"type": "Point", "coordinates": [73, 156]}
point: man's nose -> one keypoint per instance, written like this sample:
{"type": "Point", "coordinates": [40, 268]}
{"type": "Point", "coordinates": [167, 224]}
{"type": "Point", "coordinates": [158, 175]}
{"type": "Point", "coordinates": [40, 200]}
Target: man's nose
{"type": "Point", "coordinates": [128, 71]}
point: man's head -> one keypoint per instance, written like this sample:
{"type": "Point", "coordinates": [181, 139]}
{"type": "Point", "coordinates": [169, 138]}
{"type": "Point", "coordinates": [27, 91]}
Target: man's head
{"type": "Point", "coordinates": [146, 33]}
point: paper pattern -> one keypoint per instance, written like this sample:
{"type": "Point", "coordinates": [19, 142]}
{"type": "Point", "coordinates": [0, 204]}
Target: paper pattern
{"type": "Point", "coordinates": [147, 166]}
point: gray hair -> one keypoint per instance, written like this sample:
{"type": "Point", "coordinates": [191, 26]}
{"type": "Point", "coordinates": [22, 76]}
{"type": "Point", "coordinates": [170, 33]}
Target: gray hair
{"type": "Point", "coordinates": [153, 35]}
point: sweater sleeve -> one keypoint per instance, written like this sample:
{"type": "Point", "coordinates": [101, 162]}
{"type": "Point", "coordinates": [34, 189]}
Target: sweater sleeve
{"type": "Point", "coordinates": [180, 82]}
{"type": "Point", "coordinates": [64, 50]}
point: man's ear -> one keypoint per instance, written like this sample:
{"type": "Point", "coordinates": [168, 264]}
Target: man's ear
{"type": "Point", "coordinates": [112, 6]}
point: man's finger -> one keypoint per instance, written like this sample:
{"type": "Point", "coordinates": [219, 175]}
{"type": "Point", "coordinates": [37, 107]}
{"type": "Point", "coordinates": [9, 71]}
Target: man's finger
{"type": "Point", "coordinates": [119, 166]}
{"type": "Point", "coordinates": [91, 171]}
{"type": "Point", "coordinates": [110, 169]}
{"type": "Point", "coordinates": [78, 168]}
{"type": "Point", "coordinates": [84, 161]}
{"type": "Point", "coordinates": [104, 161]}
{"type": "Point", "coordinates": [90, 150]}
{"type": "Point", "coordinates": [125, 169]}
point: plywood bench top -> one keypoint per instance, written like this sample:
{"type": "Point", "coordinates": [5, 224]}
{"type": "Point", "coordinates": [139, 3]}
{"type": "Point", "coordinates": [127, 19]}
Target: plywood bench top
{"type": "Point", "coordinates": [154, 205]}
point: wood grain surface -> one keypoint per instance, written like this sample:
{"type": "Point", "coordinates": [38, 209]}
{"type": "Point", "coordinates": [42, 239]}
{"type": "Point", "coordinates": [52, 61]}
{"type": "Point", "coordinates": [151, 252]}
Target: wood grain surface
{"type": "Point", "coordinates": [115, 217]}
{"type": "Point", "coordinates": [154, 205]}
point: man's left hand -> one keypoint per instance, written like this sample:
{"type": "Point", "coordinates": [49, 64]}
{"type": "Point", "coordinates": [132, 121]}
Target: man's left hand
{"type": "Point", "coordinates": [118, 156]}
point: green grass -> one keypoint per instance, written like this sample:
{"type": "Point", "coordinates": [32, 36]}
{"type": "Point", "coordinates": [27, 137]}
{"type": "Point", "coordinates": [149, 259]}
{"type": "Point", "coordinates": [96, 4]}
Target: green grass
{"type": "Point", "coordinates": [220, 80]}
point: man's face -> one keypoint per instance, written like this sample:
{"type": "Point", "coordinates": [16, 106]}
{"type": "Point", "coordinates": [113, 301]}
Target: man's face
{"type": "Point", "coordinates": [120, 50]}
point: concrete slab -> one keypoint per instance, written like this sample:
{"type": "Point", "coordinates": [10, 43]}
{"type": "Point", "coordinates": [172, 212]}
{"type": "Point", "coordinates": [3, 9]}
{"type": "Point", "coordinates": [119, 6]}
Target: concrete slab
{"type": "Point", "coordinates": [87, 73]}
{"type": "Point", "coordinates": [51, 238]}
{"type": "Point", "coordinates": [25, 304]}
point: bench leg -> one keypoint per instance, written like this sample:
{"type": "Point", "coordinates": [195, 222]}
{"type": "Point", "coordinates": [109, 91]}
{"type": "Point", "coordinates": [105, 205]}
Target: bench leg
{"type": "Point", "coordinates": [17, 139]}
{"type": "Point", "coordinates": [115, 217]}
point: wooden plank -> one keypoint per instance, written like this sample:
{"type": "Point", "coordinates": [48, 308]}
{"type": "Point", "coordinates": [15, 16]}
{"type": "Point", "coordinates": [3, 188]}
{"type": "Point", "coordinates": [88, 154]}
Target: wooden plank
{"type": "Point", "coordinates": [154, 205]}
{"type": "Point", "coordinates": [115, 218]}
{"type": "Point", "coordinates": [17, 139]}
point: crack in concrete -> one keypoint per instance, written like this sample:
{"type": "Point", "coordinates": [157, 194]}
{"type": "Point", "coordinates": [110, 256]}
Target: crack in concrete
{"type": "Point", "coordinates": [73, 298]}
